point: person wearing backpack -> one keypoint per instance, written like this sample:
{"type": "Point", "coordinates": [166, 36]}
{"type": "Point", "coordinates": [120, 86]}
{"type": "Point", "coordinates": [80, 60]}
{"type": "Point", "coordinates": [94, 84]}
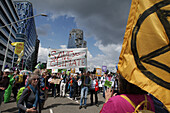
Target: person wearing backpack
{"type": "Point", "coordinates": [29, 96]}
{"type": "Point", "coordinates": [129, 99]}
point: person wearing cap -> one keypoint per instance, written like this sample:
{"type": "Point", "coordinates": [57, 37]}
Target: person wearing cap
{"type": "Point", "coordinates": [8, 91]}
{"type": "Point", "coordinates": [4, 82]}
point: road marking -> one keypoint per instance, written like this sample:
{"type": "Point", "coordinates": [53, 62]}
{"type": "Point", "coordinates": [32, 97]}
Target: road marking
{"type": "Point", "coordinates": [51, 111]}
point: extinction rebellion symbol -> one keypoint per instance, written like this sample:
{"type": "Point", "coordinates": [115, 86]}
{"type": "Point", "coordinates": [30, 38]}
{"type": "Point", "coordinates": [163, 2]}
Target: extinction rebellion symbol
{"type": "Point", "coordinates": [162, 10]}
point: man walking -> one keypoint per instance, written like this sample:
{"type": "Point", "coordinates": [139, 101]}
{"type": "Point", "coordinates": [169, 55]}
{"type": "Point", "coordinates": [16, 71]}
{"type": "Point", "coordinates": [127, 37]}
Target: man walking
{"type": "Point", "coordinates": [84, 90]}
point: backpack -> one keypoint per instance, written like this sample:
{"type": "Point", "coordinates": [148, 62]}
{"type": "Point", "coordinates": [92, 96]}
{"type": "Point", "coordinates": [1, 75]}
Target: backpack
{"type": "Point", "coordinates": [145, 102]}
{"type": "Point", "coordinates": [20, 80]}
{"type": "Point", "coordinates": [21, 91]}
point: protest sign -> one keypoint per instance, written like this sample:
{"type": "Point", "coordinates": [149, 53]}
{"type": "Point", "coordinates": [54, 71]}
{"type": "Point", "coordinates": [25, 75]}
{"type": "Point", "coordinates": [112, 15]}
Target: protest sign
{"type": "Point", "coordinates": [55, 81]}
{"type": "Point", "coordinates": [104, 68]}
{"type": "Point", "coordinates": [98, 71]}
{"type": "Point", "coordinates": [108, 83]}
{"type": "Point", "coordinates": [54, 70]}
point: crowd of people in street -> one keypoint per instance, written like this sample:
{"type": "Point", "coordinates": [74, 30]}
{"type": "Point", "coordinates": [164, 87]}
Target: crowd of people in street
{"type": "Point", "coordinates": [31, 89]}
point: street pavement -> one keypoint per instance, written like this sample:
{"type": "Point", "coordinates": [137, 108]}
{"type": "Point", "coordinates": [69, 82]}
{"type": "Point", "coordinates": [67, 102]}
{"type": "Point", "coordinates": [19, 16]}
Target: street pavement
{"type": "Point", "coordinates": [59, 105]}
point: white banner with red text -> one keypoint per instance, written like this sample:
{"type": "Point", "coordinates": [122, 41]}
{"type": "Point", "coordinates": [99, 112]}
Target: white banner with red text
{"type": "Point", "coordinates": [67, 58]}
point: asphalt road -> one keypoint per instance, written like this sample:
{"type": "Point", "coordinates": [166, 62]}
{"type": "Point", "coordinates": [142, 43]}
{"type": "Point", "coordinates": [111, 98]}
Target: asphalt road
{"type": "Point", "coordinates": [58, 105]}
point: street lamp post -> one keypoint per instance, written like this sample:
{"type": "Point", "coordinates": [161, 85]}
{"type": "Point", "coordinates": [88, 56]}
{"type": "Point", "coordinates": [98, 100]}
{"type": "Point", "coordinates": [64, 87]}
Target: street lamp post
{"type": "Point", "coordinates": [11, 24]}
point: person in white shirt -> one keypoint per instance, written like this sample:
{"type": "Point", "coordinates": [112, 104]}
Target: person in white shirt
{"type": "Point", "coordinates": [63, 85]}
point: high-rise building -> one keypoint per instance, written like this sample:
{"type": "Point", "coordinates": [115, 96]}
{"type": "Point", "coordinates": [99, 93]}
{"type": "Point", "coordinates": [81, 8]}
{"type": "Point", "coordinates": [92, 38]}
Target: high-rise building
{"type": "Point", "coordinates": [27, 34]}
{"type": "Point", "coordinates": [76, 39]}
{"type": "Point", "coordinates": [8, 15]}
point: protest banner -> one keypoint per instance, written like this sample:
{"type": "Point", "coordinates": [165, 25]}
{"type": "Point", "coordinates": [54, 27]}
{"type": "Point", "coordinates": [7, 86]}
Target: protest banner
{"type": "Point", "coordinates": [67, 58]}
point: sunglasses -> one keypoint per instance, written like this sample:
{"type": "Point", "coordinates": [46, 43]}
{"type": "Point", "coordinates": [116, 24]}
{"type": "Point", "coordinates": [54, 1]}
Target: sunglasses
{"type": "Point", "coordinates": [36, 79]}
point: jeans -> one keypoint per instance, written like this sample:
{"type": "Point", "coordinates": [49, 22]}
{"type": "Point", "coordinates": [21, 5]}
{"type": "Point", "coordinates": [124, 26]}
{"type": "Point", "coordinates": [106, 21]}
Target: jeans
{"type": "Point", "coordinates": [71, 91]}
{"type": "Point", "coordinates": [83, 90]}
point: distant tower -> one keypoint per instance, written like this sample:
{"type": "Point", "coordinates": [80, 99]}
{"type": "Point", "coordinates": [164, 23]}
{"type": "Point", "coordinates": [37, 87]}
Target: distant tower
{"type": "Point", "coordinates": [76, 39]}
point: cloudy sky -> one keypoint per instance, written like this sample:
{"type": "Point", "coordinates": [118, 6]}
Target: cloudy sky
{"type": "Point", "coordinates": [102, 21]}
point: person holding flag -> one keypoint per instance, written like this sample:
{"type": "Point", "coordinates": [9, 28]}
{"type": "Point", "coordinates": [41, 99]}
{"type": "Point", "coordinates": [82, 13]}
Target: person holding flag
{"type": "Point", "coordinates": [144, 60]}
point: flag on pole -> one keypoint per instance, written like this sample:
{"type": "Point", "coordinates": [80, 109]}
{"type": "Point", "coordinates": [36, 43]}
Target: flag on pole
{"type": "Point", "coordinates": [144, 59]}
{"type": "Point", "coordinates": [19, 48]}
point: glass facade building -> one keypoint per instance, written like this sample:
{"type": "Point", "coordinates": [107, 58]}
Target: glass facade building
{"type": "Point", "coordinates": [76, 39]}
{"type": "Point", "coordinates": [8, 15]}
{"type": "Point", "coordinates": [27, 34]}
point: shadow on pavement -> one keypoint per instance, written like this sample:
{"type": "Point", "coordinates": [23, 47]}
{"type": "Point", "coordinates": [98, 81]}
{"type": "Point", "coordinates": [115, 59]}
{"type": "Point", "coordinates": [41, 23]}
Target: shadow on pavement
{"type": "Point", "coordinates": [51, 106]}
{"type": "Point", "coordinates": [11, 110]}
{"type": "Point", "coordinates": [99, 103]}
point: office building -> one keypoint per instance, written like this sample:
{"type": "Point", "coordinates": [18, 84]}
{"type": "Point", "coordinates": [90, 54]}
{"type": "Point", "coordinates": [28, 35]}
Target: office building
{"type": "Point", "coordinates": [8, 15]}
{"type": "Point", "coordinates": [76, 39]}
{"type": "Point", "coordinates": [27, 34]}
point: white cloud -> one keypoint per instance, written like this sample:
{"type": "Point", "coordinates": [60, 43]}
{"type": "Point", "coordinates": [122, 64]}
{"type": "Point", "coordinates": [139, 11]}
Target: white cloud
{"type": "Point", "coordinates": [43, 30]}
{"type": "Point", "coordinates": [63, 46]}
{"type": "Point", "coordinates": [43, 54]}
{"type": "Point", "coordinates": [109, 57]}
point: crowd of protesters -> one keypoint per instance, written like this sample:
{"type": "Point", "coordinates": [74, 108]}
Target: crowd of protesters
{"type": "Point", "coordinates": [40, 82]}
{"type": "Point", "coordinates": [37, 84]}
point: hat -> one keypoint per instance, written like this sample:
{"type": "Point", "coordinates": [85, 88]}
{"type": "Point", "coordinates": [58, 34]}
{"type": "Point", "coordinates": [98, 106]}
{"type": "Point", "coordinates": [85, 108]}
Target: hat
{"type": "Point", "coordinates": [7, 70]}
